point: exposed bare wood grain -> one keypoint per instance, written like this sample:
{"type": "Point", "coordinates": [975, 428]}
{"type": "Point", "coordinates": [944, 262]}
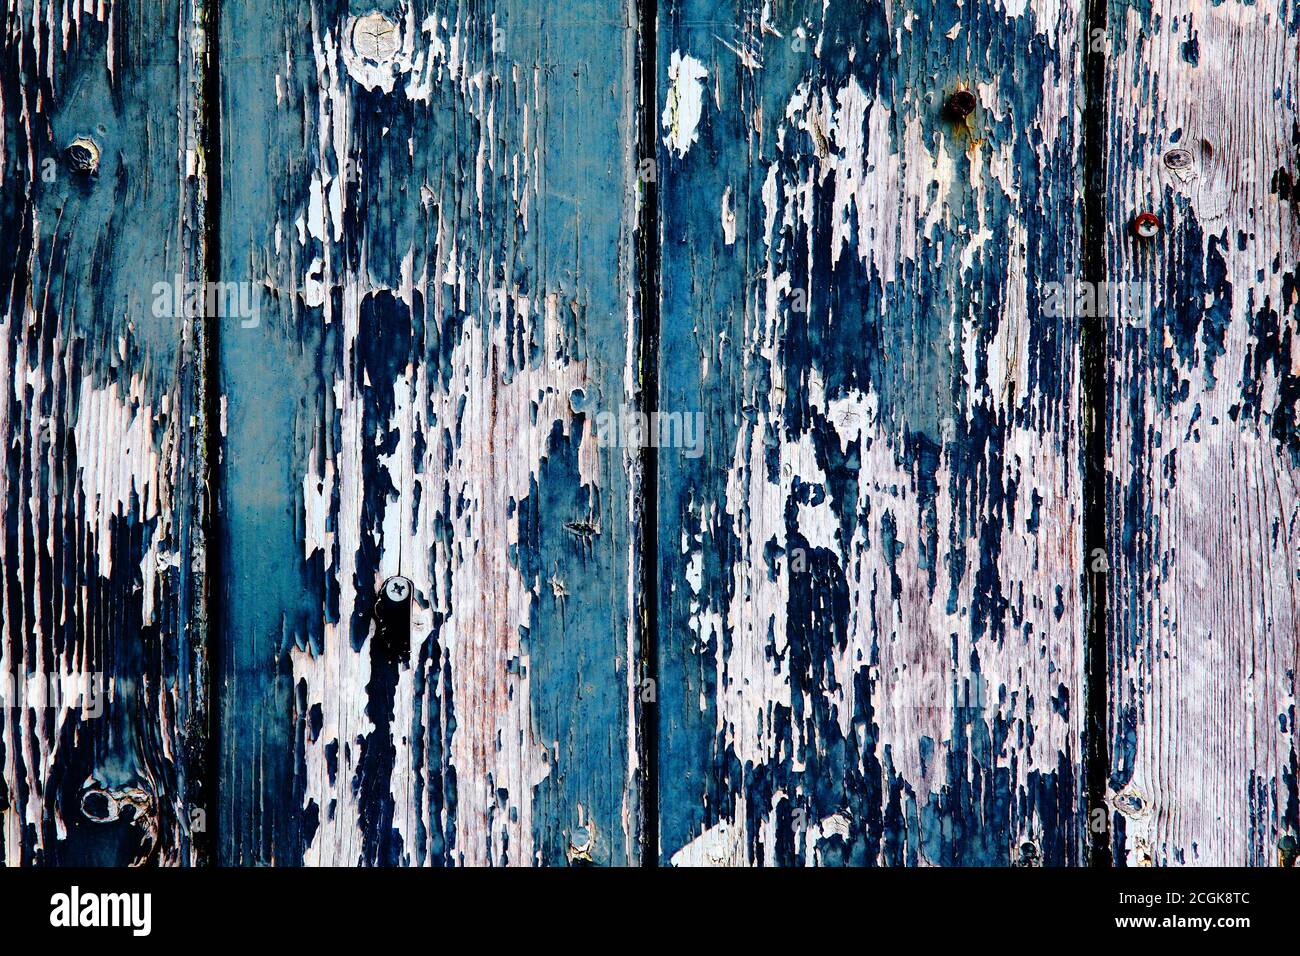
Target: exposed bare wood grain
{"type": "Point", "coordinates": [865, 291]}
{"type": "Point", "coordinates": [872, 642]}
{"type": "Point", "coordinates": [437, 199]}
{"type": "Point", "coordinates": [102, 658]}
{"type": "Point", "coordinates": [1205, 443]}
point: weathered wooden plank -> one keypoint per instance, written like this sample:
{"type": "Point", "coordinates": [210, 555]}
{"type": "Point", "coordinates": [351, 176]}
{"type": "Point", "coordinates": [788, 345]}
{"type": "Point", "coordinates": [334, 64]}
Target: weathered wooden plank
{"type": "Point", "coordinates": [102, 662]}
{"type": "Point", "coordinates": [1204, 503]}
{"type": "Point", "coordinates": [872, 643]}
{"type": "Point", "coordinates": [437, 200]}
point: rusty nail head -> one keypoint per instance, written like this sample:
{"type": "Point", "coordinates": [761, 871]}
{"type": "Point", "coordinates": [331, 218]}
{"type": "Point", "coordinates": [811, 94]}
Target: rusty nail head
{"type": "Point", "coordinates": [959, 104]}
{"type": "Point", "coordinates": [83, 155]}
{"type": "Point", "coordinates": [1146, 225]}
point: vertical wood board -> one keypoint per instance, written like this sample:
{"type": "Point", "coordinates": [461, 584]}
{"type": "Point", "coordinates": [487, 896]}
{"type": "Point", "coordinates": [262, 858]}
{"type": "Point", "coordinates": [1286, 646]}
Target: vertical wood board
{"type": "Point", "coordinates": [872, 629]}
{"type": "Point", "coordinates": [102, 650]}
{"type": "Point", "coordinates": [437, 202]}
{"type": "Point", "coordinates": [1204, 444]}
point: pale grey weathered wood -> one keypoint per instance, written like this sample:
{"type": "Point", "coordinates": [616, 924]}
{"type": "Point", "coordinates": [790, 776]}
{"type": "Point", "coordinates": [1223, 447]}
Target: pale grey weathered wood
{"type": "Point", "coordinates": [1204, 438]}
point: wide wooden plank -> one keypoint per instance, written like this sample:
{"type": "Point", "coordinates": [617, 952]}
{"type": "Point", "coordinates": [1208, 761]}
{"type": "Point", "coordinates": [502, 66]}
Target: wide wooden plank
{"type": "Point", "coordinates": [102, 655]}
{"type": "Point", "coordinates": [437, 199]}
{"type": "Point", "coordinates": [1204, 441]}
{"type": "Point", "coordinates": [872, 625]}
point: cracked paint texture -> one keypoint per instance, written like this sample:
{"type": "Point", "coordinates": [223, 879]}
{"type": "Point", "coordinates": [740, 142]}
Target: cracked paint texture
{"type": "Point", "coordinates": [872, 640]}
{"type": "Point", "coordinates": [872, 609]}
{"type": "Point", "coordinates": [1204, 485]}
{"type": "Point", "coordinates": [103, 683]}
{"type": "Point", "coordinates": [440, 207]}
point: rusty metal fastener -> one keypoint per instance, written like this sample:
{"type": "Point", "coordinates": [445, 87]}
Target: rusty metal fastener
{"type": "Point", "coordinates": [1146, 225]}
{"type": "Point", "coordinates": [959, 105]}
{"type": "Point", "coordinates": [83, 156]}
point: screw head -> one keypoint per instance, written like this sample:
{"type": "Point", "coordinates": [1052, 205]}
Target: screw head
{"type": "Point", "coordinates": [1146, 225]}
{"type": "Point", "coordinates": [376, 37]}
{"type": "Point", "coordinates": [959, 105]}
{"type": "Point", "coordinates": [397, 589]}
{"type": "Point", "coordinates": [83, 156]}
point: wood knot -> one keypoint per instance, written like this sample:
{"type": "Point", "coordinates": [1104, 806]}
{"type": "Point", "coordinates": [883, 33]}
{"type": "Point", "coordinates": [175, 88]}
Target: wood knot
{"type": "Point", "coordinates": [1130, 802]}
{"type": "Point", "coordinates": [133, 805]}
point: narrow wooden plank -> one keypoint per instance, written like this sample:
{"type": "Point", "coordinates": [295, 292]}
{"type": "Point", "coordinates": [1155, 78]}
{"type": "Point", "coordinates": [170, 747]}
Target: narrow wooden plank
{"type": "Point", "coordinates": [102, 660]}
{"type": "Point", "coordinates": [437, 200]}
{"type": "Point", "coordinates": [872, 646]}
{"type": "Point", "coordinates": [1204, 501]}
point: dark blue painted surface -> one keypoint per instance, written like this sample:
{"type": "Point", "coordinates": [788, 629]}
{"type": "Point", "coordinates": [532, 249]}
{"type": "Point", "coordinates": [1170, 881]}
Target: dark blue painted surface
{"type": "Point", "coordinates": [899, 433]}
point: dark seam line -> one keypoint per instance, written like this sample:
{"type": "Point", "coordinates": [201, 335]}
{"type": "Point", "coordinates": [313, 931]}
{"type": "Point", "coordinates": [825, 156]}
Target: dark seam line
{"type": "Point", "coordinates": [648, 264]}
{"type": "Point", "coordinates": [210, 382]}
{"type": "Point", "coordinates": [1096, 420]}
